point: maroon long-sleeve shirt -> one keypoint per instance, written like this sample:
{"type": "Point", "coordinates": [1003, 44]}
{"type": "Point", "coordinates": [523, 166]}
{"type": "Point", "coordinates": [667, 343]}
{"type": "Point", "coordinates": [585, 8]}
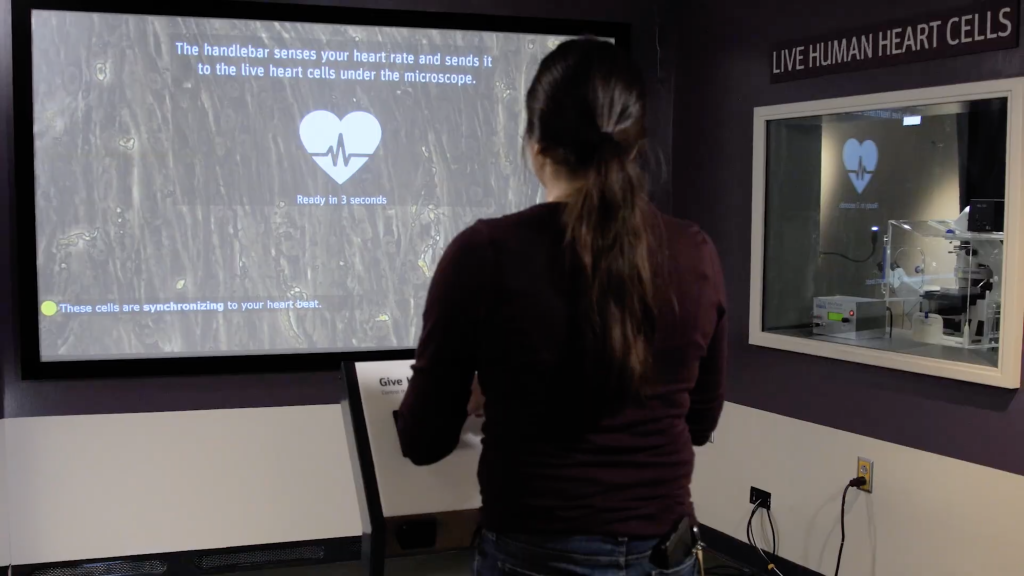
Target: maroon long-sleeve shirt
{"type": "Point", "coordinates": [504, 303]}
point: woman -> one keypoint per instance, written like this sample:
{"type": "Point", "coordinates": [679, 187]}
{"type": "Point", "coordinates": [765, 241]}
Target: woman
{"type": "Point", "coordinates": [596, 329]}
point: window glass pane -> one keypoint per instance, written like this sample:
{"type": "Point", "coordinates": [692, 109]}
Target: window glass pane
{"type": "Point", "coordinates": [869, 236]}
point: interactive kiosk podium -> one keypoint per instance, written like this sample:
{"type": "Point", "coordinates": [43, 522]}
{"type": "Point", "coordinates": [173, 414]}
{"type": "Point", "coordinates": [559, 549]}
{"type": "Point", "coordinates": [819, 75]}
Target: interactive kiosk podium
{"type": "Point", "coordinates": [412, 510]}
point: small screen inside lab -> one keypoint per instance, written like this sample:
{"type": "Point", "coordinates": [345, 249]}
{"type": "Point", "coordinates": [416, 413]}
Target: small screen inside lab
{"type": "Point", "coordinates": [898, 210]}
{"type": "Point", "coordinates": [209, 187]}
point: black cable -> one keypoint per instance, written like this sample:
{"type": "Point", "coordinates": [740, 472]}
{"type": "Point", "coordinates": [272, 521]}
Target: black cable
{"type": "Point", "coordinates": [855, 483]}
{"type": "Point", "coordinates": [889, 310]}
{"type": "Point", "coordinates": [750, 522]}
{"type": "Point", "coordinates": [874, 248]}
{"type": "Point", "coordinates": [753, 542]}
{"type": "Point", "coordinates": [750, 529]}
{"type": "Point", "coordinates": [842, 528]}
{"type": "Point", "coordinates": [845, 257]}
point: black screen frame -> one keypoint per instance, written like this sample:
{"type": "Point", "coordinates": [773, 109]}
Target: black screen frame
{"type": "Point", "coordinates": [26, 284]}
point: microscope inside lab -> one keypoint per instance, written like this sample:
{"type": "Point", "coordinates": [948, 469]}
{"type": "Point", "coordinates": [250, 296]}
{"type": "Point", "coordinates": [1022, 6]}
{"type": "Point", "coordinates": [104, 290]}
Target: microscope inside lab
{"type": "Point", "coordinates": [944, 277]}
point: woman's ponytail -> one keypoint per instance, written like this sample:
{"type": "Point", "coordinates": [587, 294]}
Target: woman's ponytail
{"type": "Point", "coordinates": [585, 114]}
{"type": "Point", "coordinates": [605, 222]}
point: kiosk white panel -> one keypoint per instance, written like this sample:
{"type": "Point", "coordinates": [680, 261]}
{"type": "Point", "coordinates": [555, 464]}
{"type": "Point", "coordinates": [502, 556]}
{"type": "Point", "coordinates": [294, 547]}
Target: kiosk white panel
{"type": "Point", "coordinates": [406, 489]}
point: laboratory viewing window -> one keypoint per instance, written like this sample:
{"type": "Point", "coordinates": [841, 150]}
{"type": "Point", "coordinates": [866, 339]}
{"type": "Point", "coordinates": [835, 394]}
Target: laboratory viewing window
{"type": "Point", "coordinates": [884, 230]}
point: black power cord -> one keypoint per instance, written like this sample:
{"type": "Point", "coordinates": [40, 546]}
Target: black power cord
{"type": "Point", "coordinates": [750, 523]}
{"type": "Point", "coordinates": [753, 541]}
{"type": "Point", "coordinates": [855, 483]}
{"type": "Point", "coordinates": [874, 248]}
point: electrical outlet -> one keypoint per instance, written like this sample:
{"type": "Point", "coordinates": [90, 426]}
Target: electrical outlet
{"type": "Point", "coordinates": [866, 469]}
{"type": "Point", "coordinates": [763, 496]}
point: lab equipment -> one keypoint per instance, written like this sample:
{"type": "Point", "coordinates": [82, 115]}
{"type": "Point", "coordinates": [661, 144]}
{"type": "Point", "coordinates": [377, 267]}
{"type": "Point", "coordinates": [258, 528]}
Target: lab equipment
{"type": "Point", "coordinates": [849, 317]}
{"type": "Point", "coordinates": [958, 300]}
{"type": "Point", "coordinates": [986, 215]}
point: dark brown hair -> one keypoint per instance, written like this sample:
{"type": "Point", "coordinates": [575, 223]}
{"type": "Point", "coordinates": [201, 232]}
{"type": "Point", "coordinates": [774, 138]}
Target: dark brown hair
{"type": "Point", "coordinates": [585, 113]}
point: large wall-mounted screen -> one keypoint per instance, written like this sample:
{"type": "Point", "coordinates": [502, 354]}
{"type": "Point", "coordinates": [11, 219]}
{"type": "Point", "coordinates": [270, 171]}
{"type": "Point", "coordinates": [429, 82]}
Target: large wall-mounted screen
{"type": "Point", "coordinates": [215, 187]}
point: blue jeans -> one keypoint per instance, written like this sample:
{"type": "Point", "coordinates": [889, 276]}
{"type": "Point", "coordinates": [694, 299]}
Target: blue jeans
{"type": "Point", "coordinates": [499, 555]}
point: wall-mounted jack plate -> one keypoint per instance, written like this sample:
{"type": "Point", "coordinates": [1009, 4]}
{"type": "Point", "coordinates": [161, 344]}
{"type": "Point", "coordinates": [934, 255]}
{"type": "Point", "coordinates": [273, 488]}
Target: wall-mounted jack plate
{"type": "Point", "coordinates": [866, 469]}
{"type": "Point", "coordinates": [761, 497]}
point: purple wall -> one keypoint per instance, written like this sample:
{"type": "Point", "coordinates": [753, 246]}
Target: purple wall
{"type": "Point", "coordinates": [725, 58]}
{"type": "Point", "coordinates": [722, 66]}
{"type": "Point", "coordinates": [650, 21]}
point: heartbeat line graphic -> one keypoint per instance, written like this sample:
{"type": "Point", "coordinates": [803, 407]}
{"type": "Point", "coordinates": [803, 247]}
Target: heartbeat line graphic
{"type": "Point", "coordinates": [861, 169]}
{"type": "Point", "coordinates": [338, 151]}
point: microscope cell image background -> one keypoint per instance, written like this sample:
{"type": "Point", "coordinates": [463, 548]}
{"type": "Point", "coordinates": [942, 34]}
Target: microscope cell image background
{"type": "Point", "coordinates": [157, 184]}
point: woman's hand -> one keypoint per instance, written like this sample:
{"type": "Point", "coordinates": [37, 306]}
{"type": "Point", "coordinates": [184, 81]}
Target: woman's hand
{"type": "Point", "coordinates": [476, 400]}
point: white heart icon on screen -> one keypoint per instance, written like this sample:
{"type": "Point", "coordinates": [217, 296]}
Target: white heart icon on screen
{"type": "Point", "coordinates": [340, 147]}
{"type": "Point", "coordinates": [860, 159]}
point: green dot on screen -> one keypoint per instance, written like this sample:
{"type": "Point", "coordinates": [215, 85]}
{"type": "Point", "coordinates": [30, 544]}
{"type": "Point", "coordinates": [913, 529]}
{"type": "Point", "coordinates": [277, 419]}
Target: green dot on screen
{"type": "Point", "coordinates": [48, 308]}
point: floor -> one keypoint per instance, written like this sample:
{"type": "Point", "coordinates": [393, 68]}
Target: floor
{"type": "Point", "coordinates": [455, 564]}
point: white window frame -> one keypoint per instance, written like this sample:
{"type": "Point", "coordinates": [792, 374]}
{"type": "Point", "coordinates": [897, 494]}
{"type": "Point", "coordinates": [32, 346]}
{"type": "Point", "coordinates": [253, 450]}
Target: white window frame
{"type": "Point", "coordinates": [1007, 375]}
